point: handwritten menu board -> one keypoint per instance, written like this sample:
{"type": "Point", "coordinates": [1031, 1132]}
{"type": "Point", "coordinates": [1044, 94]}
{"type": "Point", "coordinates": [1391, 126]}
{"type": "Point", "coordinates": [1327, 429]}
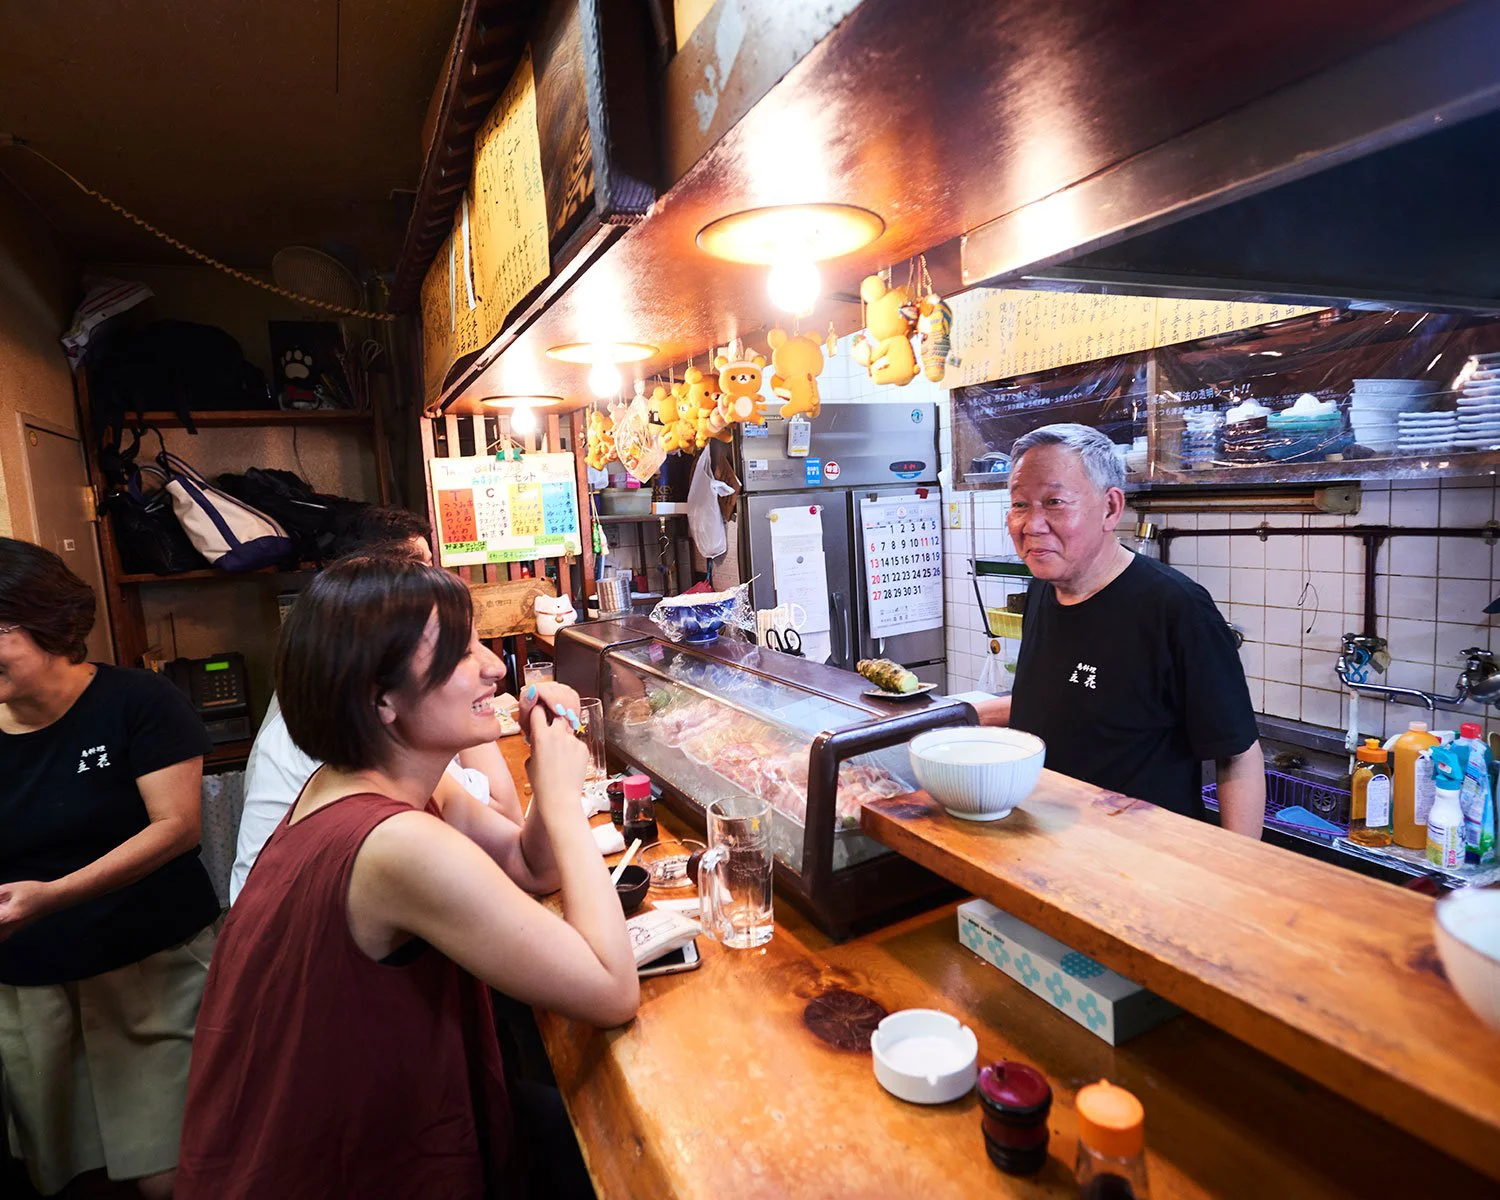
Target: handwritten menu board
{"type": "Point", "coordinates": [903, 549]}
{"type": "Point", "coordinates": [493, 512]}
{"type": "Point", "coordinates": [1000, 333]}
{"type": "Point", "coordinates": [497, 252]}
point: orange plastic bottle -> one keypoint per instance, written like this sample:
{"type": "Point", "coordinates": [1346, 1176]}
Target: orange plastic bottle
{"type": "Point", "coordinates": [1409, 831]}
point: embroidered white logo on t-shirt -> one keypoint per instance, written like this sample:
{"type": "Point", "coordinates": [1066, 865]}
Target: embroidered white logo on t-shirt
{"type": "Point", "coordinates": [1086, 675]}
{"type": "Point", "coordinates": [100, 756]}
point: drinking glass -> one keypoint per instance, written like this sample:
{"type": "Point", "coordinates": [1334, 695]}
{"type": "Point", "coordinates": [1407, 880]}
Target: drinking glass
{"type": "Point", "coordinates": [734, 877]}
{"type": "Point", "coordinates": [591, 731]}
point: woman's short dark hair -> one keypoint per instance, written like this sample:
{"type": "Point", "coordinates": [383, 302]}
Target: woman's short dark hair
{"type": "Point", "coordinates": [381, 524]}
{"type": "Point", "coordinates": [43, 597]}
{"type": "Point", "coordinates": [351, 637]}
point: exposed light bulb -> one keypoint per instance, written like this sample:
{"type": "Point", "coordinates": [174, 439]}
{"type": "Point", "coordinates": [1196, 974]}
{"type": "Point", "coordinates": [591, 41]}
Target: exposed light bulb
{"type": "Point", "coordinates": [794, 284]}
{"type": "Point", "coordinates": [522, 419]}
{"type": "Point", "coordinates": [604, 380]}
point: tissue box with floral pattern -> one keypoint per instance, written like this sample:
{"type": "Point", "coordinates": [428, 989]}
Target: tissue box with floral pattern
{"type": "Point", "coordinates": [1107, 1005]}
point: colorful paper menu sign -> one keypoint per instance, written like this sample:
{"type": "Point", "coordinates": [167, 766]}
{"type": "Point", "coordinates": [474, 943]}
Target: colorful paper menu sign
{"type": "Point", "coordinates": [491, 512]}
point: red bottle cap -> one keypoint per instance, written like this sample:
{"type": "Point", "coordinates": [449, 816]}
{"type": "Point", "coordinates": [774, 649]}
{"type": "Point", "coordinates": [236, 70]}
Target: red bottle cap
{"type": "Point", "coordinates": [637, 787]}
{"type": "Point", "coordinates": [1470, 729]}
{"type": "Point", "coordinates": [1014, 1089]}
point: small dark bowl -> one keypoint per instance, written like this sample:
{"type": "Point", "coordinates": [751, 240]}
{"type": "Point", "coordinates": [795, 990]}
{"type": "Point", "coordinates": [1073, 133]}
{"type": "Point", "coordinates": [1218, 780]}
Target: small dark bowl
{"type": "Point", "coordinates": [634, 883]}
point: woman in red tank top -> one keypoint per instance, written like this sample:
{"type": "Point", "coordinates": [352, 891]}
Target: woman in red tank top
{"type": "Point", "coordinates": [345, 1045]}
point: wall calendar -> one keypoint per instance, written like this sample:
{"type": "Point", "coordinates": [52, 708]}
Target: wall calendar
{"type": "Point", "coordinates": [902, 539]}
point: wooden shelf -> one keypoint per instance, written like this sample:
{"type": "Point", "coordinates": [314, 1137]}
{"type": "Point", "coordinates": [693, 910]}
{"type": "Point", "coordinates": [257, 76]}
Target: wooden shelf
{"type": "Point", "coordinates": [603, 520]}
{"type": "Point", "coordinates": [1332, 973]}
{"type": "Point", "coordinates": [250, 418]}
{"type": "Point", "coordinates": [213, 575]}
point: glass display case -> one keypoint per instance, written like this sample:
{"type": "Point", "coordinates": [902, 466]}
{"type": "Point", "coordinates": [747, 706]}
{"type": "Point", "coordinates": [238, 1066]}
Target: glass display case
{"type": "Point", "coordinates": [726, 718]}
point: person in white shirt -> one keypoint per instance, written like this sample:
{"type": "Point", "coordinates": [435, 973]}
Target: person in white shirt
{"type": "Point", "coordinates": [476, 793]}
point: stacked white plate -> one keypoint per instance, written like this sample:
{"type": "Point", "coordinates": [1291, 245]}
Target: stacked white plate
{"type": "Point", "coordinates": [1427, 433]}
{"type": "Point", "coordinates": [1375, 406]}
{"type": "Point", "coordinates": [1479, 406]}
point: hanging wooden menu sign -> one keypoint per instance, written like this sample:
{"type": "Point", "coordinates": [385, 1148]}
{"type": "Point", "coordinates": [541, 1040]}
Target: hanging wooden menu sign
{"type": "Point", "coordinates": [497, 252]}
{"type": "Point", "coordinates": [493, 512]}
{"type": "Point", "coordinates": [902, 542]}
{"type": "Point", "coordinates": [1000, 333]}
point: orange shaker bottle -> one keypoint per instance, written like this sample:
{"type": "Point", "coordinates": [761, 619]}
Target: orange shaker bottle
{"type": "Point", "coordinates": [1410, 831]}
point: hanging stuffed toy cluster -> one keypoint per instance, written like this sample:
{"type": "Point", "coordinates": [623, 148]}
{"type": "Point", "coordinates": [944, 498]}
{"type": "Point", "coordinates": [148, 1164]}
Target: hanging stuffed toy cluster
{"type": "Point", "coordinates": [892, 315]}
{"type": "Point", "coordinates": [740, 401]}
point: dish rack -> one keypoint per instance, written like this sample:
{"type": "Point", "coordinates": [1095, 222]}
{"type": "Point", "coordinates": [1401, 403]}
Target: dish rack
{"type": "Point", "coordinates": [1324, 798]}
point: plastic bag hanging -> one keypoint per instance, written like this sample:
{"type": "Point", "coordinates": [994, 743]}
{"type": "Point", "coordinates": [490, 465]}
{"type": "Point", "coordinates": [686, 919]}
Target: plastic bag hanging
{"type": "Point", "coordinates": [995, 675]}
{"type": "Point", "coordinates": [704, 518]}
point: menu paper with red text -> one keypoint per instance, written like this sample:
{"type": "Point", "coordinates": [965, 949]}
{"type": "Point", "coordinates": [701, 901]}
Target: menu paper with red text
{"type": "Point", "coordinates": [903, 552]}
{"type": "Point", "coordinates": [493, 512]}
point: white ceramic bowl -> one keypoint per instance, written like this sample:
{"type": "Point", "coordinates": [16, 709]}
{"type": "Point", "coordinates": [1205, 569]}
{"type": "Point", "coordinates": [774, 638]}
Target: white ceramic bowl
{"type": "Point", "coordinates": [925, 1056]}
{"type": "Point", "coordinates": [978, 773]}
{"type": "Point", "coordinates": [1468, 940]}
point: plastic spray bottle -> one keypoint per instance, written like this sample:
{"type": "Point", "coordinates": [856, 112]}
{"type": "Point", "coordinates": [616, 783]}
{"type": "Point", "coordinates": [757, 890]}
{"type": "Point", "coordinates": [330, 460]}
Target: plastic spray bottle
{"type": "Point", "coordinates": [1445, 821]}
{"type": "Point", "coordinates": [1477, 797]}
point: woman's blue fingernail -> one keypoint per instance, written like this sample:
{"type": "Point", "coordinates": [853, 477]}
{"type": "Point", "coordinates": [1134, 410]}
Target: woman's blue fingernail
{"type": "Point", "coordinates": [531, 692]}
{"type": "Point", "coordinates": [560, 710]}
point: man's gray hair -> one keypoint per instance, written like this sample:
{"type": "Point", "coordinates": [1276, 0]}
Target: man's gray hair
{"type": "Point", "coordinates": [1101, 460]}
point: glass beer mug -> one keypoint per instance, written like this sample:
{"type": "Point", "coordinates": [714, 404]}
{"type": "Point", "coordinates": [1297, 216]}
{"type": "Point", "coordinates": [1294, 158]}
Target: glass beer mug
{"type": "Point", "coordinates": [734, 877]}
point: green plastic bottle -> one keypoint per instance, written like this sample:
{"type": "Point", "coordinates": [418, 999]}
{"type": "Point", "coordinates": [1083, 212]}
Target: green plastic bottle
{"type": "Point", "coordinates": [1477, 796]}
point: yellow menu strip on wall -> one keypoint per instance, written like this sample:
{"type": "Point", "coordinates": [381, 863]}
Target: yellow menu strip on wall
{"type": "Point", "coordinates": [999, 333]}
{"type": "Point", "coordinates": [498, 248]}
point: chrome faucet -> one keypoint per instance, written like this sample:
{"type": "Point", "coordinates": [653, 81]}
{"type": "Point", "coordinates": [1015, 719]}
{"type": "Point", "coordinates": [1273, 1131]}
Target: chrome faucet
{"type": "Point", "coordinates": [1360, 654]}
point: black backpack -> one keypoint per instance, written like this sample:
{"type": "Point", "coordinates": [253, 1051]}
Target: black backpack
{"type": "Point", "coordinates": [171, 366]}
{"type": "Point", "coordinates": [318, 524]}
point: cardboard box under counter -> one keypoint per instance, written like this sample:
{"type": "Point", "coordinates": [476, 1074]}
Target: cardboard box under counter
{"type": "Point", "coordinates": [1106, 1004]}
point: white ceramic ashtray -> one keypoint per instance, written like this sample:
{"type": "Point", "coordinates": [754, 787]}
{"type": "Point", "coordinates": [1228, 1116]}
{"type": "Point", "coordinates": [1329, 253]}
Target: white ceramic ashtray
{"type": "Point", "coordinates": [925, 1056]}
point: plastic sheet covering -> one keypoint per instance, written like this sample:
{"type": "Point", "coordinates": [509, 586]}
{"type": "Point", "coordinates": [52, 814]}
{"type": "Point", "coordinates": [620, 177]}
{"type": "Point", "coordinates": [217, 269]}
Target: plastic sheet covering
{"type": "Point", "coordinates": [1334, 386]}
{"type": "Point", "coordinates": [699, 616]}
{"type": "Point", "coordinates": [1109, 394]}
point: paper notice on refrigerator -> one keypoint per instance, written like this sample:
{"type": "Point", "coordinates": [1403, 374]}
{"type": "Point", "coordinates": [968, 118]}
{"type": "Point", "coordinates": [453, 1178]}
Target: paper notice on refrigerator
{"type": "Point", "coordinates": [799, 571]}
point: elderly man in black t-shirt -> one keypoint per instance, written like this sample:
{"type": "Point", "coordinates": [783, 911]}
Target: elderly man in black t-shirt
{"type": "Point", "coordinates": [1127, 669]}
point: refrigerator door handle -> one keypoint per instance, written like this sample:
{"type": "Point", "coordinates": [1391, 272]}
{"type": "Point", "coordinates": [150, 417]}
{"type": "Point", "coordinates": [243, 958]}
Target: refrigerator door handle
{"type": "Point", "coordinates": [841, 610]}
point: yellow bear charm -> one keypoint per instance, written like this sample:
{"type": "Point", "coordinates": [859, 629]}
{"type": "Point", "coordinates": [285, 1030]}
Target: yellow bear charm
{"type": "Point", "coordinates": [884, 349]}
{"type": "Point", "coordinates": [702, 400]}
{"type": "Point", "coordinates": [601, 439]}
{"type": "Point", "coordinates": [798, 361]}
{"type": "Point", "coordinates": [739, 386]}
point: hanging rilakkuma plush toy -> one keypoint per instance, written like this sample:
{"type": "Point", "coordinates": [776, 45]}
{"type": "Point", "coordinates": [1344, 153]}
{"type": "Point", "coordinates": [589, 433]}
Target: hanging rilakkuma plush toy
{"type": "Point", "coordinates": [702, 400]}
{"type": "Point", "coordinates": [798, 361]}
{"type": "Point", "coordinates": [601, 439]}
{"type": "Point", "coordinates": [935, 326]}
{"type": "Point", "coordinates": [677, 433]}
{"type": "Point", "coordinates": [740, 400]}
{"type": "Point", "coordinates": [884, 349]}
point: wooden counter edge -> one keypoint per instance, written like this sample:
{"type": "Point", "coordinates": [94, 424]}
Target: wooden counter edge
{"type": "Point", "coordinates": [1440, 1119]}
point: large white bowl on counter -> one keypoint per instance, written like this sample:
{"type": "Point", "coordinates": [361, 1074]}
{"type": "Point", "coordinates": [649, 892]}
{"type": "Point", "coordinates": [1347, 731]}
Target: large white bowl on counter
{"type": "Point", "coordinates": [1468, 941]}
{"type": "Point", "coordinates": [978, 773]}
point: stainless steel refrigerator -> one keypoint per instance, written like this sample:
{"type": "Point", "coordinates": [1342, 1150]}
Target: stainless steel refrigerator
{"type": "Point", "coordinates": [856, 450]}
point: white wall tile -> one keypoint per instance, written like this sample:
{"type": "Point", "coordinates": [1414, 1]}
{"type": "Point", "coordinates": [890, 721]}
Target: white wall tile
{"type": "Point", "coordinates": [1283, 663]}
{"type": "Point", "coordinates": [1399, 716]}
{"type": "Point", "coordinates": [1407, 675]}
{"type": "Point", "coordinates": [1464, 558]}
{"type": "Point", "coordinates": [1465, 507]}
{"type": "Point", "coordinates": [1283, 699]}
{"type": "Point", "coordinates": [1284, 626]}
{"type": "Point", "coordinates": [1283, 588]}
{"type": "Point", "coordinates": [1285, 553]}
{"type": "Point", "coordinates": [1247, 552]}
{"type": "Point", "coordinates": [1374, 507]}
{"type": "Point", "coordinates": [1413, 596]}
{"type": "Point", "coordinates": [1410, 556]}
{"type": "Point", "coordinates": [1213, 551]}
{"type": "Point", "coordinates": [1247, 585]}
{"type": "Point", "coordinates": [1252, 658]}
{"type": "Point", "coordinates": [1453, 638]}
{"type": "Point", "coordinates": [1257, 688]}
{"type": "Point", "coordinates": [1463, 600]}
{"type": "Point", "coordinates": [1216, 581]}
{"type": "Point", "coordinates": [1411, 640]}
{"type": "Point", "coordinates": [1415, 507]}
{"type": "Point", "coordinates": [1251, 618]}
{"type": "Point", "coordinates": [1318, 668]}
{"type": "Point", "coordinates": [1322, 707]}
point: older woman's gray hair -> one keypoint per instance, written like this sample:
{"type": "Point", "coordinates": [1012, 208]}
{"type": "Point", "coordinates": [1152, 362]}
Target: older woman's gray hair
{"type": "Point", "coordinates": [1101, 461]}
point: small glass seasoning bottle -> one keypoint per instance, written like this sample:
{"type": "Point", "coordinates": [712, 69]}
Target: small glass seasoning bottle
{"type": "Point", "coordinates": [1111, 1144]}
{"type": "Point", "coordinates": [615, 790]}
{"type": "Point", "coordinates": [1370, 820]}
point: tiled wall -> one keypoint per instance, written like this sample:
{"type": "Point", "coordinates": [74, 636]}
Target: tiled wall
{"type": "Point", "coordinates": [1295, 596]}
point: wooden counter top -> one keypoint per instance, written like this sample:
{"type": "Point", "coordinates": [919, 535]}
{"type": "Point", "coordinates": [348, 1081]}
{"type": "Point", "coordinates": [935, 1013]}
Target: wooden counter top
{"type": "Point", "coordinates": [1328, 971]}
{"type": "Point", "coordinates": [719, 1089]}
